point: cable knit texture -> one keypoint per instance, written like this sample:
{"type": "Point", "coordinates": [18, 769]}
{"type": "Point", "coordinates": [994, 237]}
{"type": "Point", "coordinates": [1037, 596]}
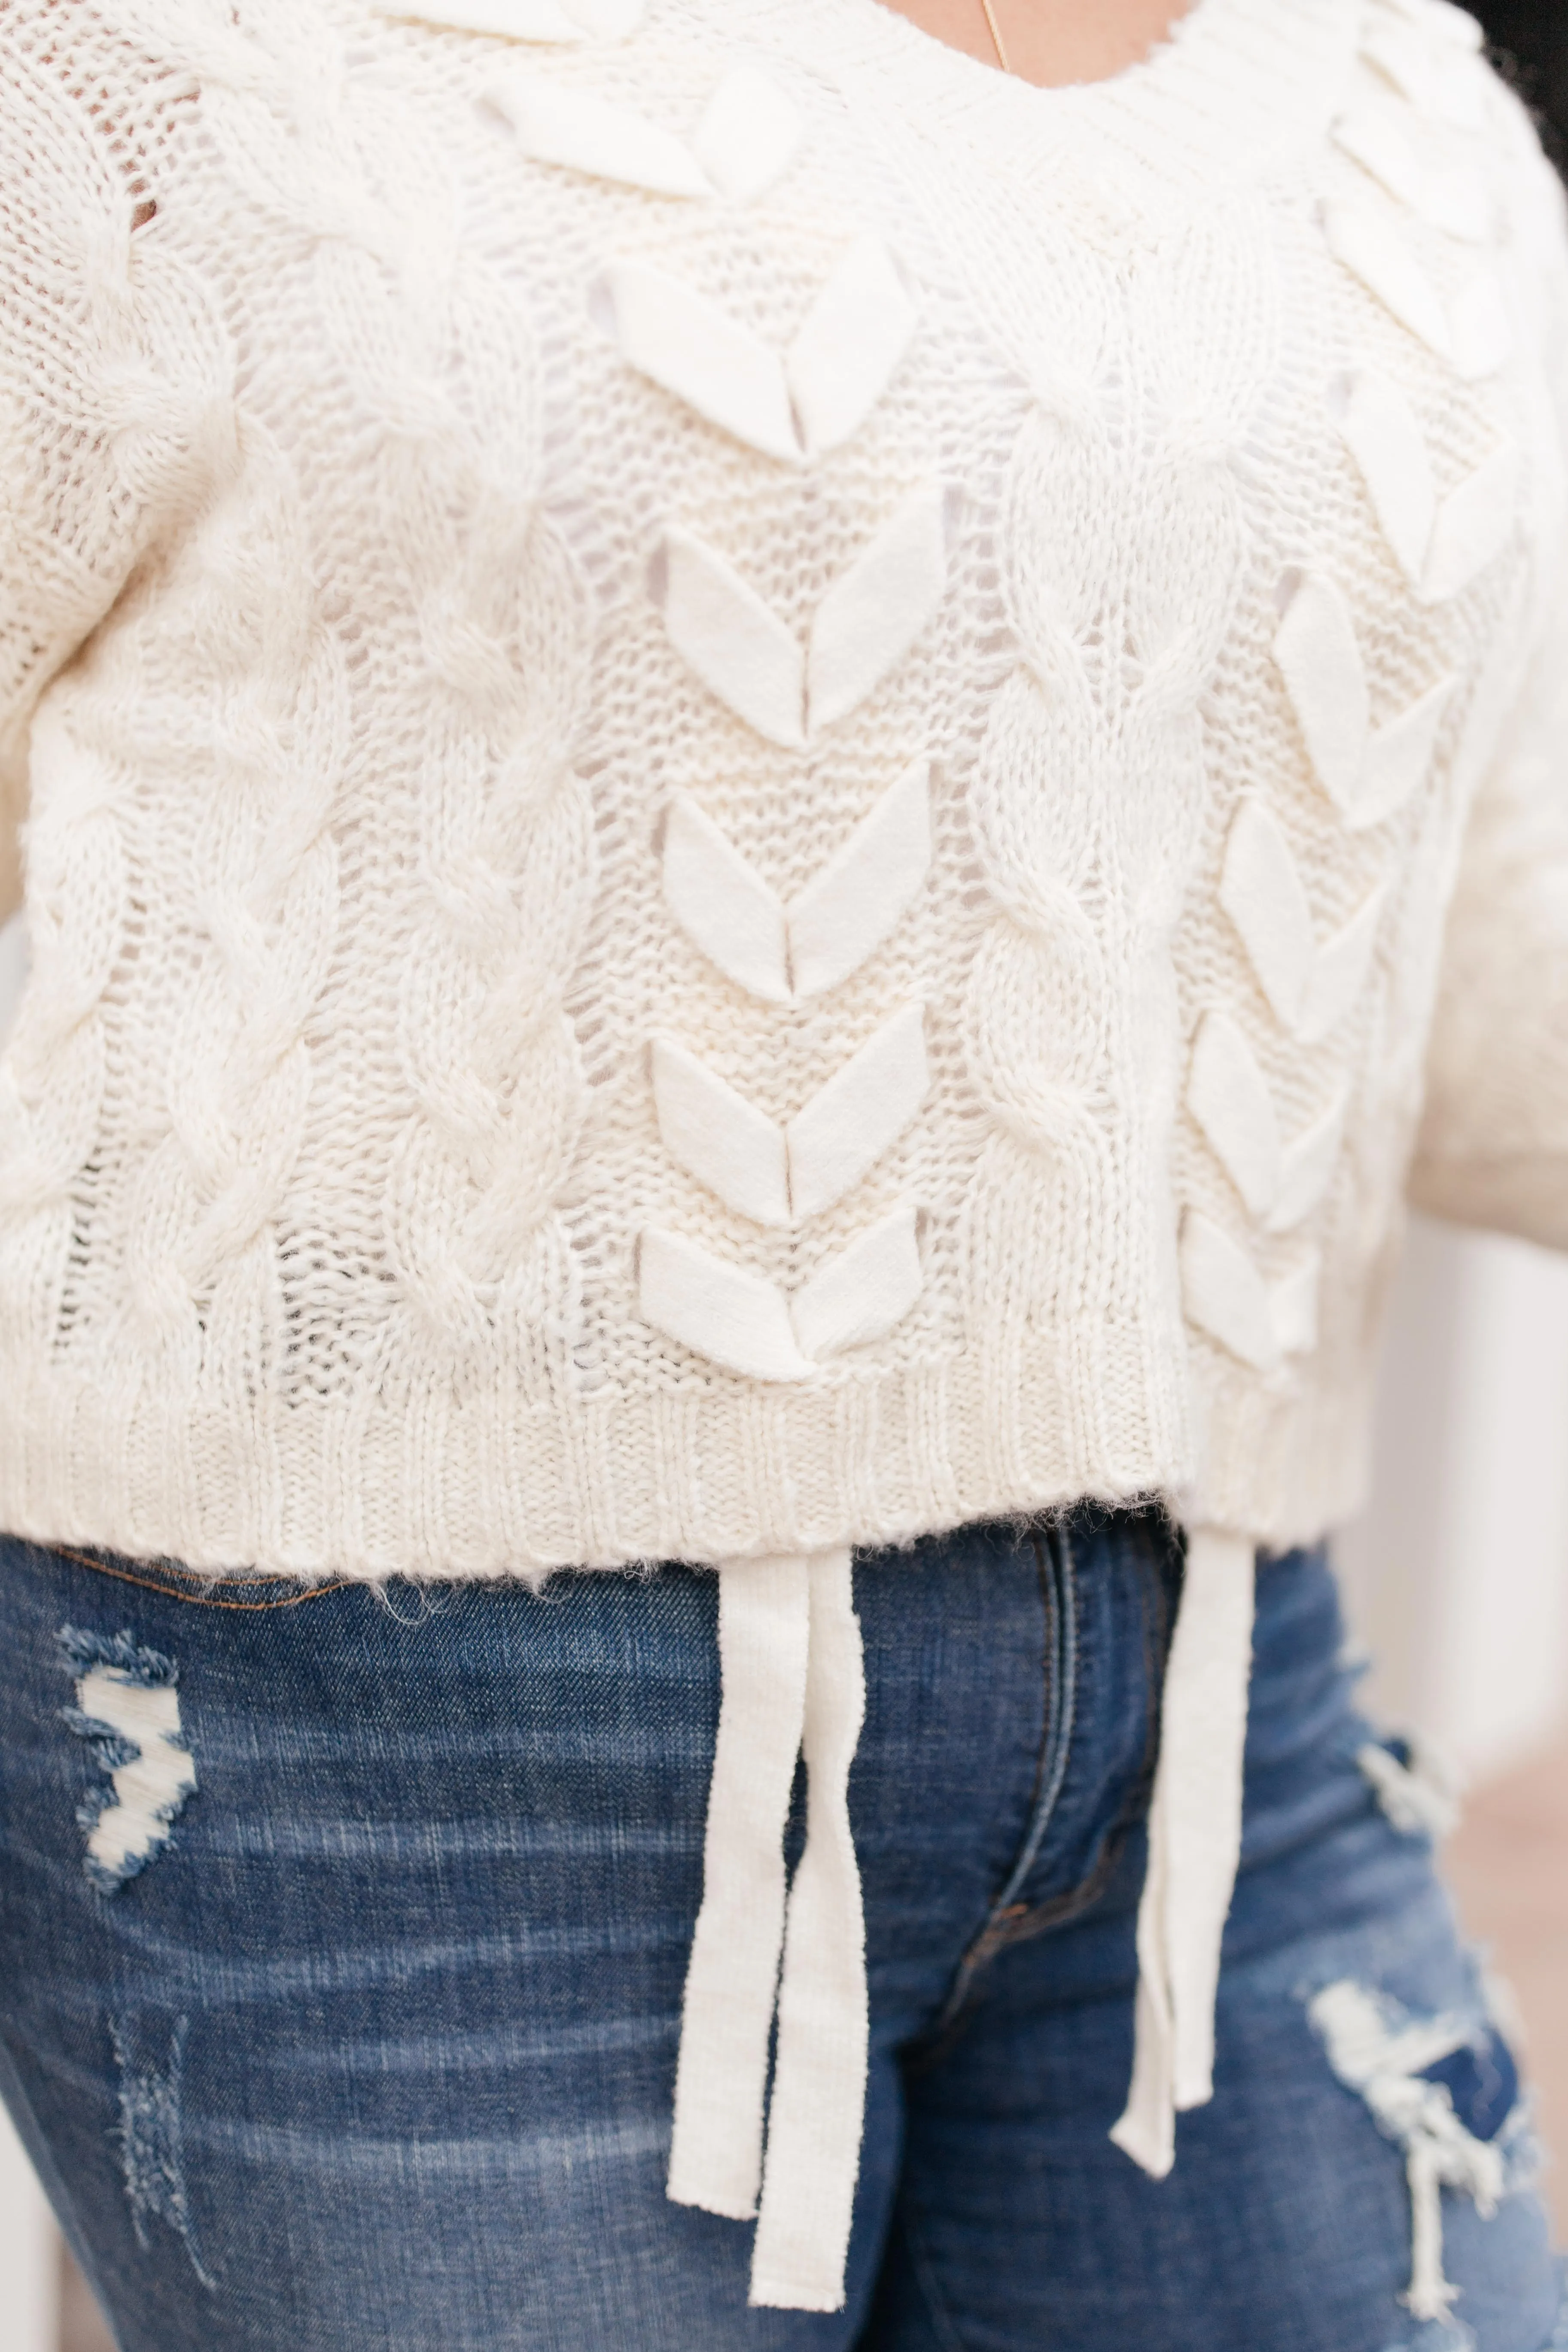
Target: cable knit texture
{"type": "Point", "coordinates": [743, 754]}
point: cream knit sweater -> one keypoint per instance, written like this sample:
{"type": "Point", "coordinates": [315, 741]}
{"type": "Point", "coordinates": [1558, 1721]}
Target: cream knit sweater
{"type": "Point", "coordinates": [744, 756]}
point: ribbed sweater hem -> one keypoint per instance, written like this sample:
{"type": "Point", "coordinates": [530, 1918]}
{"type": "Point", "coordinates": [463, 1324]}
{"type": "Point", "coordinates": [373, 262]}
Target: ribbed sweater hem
{"type": "Point", "coordinates": [496, 1485]}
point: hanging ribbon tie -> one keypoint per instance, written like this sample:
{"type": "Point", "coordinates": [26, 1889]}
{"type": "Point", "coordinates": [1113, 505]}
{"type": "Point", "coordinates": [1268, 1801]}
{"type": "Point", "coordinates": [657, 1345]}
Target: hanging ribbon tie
{"type": "Point", "coordinates": [793, 1683]}
{"type": "Point", "coordinates": [1195, 1846]}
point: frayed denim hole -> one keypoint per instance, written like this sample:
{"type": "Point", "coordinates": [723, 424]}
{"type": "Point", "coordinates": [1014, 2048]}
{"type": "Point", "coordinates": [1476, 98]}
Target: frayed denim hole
{"type": "Point", "coordinates": [150, 2139]}
{"type": "Point", "coordinates": [122, 1652]}
{"type": "Point", "coordinates": [1482, 2084]}
{"type": "Point", "coordinates": [128, 1713]}
{"type": "Point", "coordinates": [1445, 2089]}
{"type": "Point", "coordinates": [1415, 1789]}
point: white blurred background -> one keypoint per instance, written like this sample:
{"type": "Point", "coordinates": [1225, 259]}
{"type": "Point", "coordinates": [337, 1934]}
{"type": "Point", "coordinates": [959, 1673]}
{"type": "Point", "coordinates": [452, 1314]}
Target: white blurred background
{"type": "Point", "coordinates": [1458, 1579]}
{"type": "Point", "coordinates": [1458, 1576]}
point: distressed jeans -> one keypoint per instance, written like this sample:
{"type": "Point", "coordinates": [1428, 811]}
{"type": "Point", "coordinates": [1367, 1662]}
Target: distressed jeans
{"type": "Point", "coordinates": [342, 1937]}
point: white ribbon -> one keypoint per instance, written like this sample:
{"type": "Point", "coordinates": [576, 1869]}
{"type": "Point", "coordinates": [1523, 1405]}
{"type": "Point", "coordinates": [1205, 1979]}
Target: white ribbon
{"type": "Point", "coordinates": [793, 1679]}
{"type": "Point", "coordinates": [1195, 1845]}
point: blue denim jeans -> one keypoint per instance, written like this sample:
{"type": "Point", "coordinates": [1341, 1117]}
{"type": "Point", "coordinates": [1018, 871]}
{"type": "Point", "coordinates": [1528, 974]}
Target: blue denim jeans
{"type": "Point", "coordinates": [371, 2044]}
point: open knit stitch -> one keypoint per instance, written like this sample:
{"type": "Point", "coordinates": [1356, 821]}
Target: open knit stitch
{"type": "Point", "coordinates": [744, 755]}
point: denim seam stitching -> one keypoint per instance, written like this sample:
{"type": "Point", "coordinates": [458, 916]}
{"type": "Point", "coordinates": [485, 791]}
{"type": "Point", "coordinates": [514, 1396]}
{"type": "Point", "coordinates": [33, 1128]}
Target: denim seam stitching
{"type": "Point", "coordinates": [1058, 1586]}
{"type": "Point", "coordinates": [1059, 1748]}
{"type": "Point", "coordinates": [194, 1600]}
{"type": "Point", "coordinates": [1073, 1901]}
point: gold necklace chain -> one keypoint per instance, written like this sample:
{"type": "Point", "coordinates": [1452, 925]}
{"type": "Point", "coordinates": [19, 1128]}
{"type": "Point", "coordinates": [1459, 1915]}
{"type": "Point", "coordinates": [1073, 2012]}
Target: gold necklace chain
{"type": "Point", "coordinates": [1002, 57]}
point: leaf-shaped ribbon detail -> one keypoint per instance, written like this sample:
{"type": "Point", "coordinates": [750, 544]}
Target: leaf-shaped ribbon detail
{"type": "Point", "coordinates": [860, 1113]}
{"type": "Point", "coordinates": [784, 1175]}
{"type": "Point", "coordinates": [1258, 1322]}
{"type": "Point", "coordinates": [1473, 333]}
{"type": "Point", "coordinates": [1368, 775]}
{"type": "Point", "coordinates": [1441, 545]}
{"type": "Point", "coordinates": [1311, 987]}
{"type": "Point", "coordinates": [1440, 82]}
{"type": "Point", "coordinates": [850, 345]}
{"type": "Point", "coordinates": [850, 906]}
{"type": "Point", "coordinates": [794, 406]}
{"type": "Point", "coordinates": [864, 1292]}
{"type": "Point", "coordinates": [1452, 199]}
{"type": "Point", "coordinates": [585, 133]}
{"type": "Point", "coordinates": [868, 621]}
{"type": "Point", "coordinates": [873, 613]}
{"type": "Point", "coordinates": [1230, 1099]}
{"type": "Point", "coordinates": [723, 904]}
{"type": "Point", "coordinates": [841, 917]}
{"type": "Point", "coordinates": [716, 1135]}
{"type": "Point", "coordinates": [725, 1312]}
{"type": "Point", "coordinates": [679, 339]}
{"type": "Point", "coordinates": [736, 643]}
{"type": "Point", "coordinates": [747, 136]}
{"type": "Point", "coordinates": [742, 1321]}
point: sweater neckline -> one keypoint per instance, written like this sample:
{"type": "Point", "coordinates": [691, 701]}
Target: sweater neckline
{"type": "Point", "coordinates": [1192, 24]}
{"type": "Point", "coordinates": [1232, 87]}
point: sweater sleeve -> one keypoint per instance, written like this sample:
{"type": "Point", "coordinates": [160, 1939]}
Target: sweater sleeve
{"type": "Point", "coordinates": [1492, 1148]}
{"type": "Point", "coordinates": [1493, 1145]}
{"type": "Point", "coordinates": [86, 425]}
